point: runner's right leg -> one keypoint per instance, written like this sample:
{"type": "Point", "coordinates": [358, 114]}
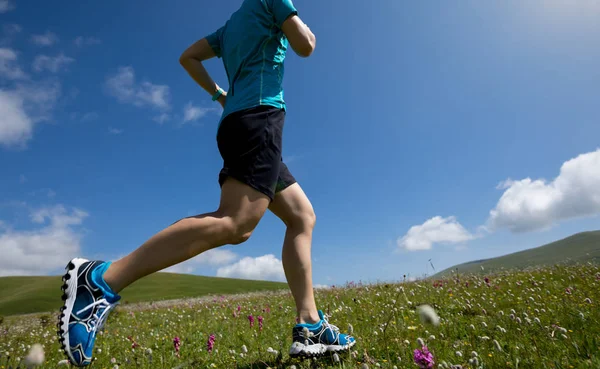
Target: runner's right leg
{"type": "Point", "coordinates": [91, 287]}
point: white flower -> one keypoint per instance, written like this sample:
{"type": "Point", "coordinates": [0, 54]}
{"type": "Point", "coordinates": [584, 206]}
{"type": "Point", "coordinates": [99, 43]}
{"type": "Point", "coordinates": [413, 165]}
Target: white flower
{"type": "Point", "coordinates": [428, 315]}
{"type": "Point", "coordinates": [407, 342]}
{"type": "Point", "coordinates": [63, 362]}
{"type": "Point", "coordinates": [420, 341]}
{"type": "Point", "coordinates": [336, 358]}
{"type": "Point", "coordinates": [270, 349]}
{"type": "Point", "coordinates": [458, 353]}
{"type": "Point", "coordinates": [244, 349]}
{"type": "Point", "coordinates": [474, 353]}
{"type": "Point", "coordinates": [35, 356]}
{"type": "Point", "coordinates": [497, 345]}
{"type": "Point", "coordinates": [432, 337]}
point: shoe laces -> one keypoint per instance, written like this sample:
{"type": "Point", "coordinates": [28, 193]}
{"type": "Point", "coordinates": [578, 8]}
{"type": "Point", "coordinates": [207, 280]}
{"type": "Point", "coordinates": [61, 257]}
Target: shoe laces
{"type": "Point", "coordinates": [329, 325]}
{"type": "Point", "coordinates": [97, 321]}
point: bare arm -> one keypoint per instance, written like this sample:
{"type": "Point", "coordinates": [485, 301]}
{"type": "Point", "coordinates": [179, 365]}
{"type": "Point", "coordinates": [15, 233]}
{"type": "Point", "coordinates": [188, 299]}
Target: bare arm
{"type": "Point", "coordinates": [301, 38]}
{"type": "Point", "coordinates": [191, 60]}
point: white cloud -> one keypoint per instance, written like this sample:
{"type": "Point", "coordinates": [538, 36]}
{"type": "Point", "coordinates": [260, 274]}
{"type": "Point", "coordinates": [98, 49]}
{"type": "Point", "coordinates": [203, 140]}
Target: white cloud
{"type": "Point", "coordinates": [8, 65]}
{"type": "Point", "coordinates": [51, 245]}
{"type": "Point", "coordinates": [160, 119]}
{"type": "Point", "coordinates": [53, 64]}
{"type": "Point", "coordinates": [21, 108]}
{"type": "Point", "coordinates": [16, 127]}
{"type": "Point", "coordinates": [9, 31]}
{"type": "Point", "coordinates": [214, 257]}
{"type": "Point", "coordinates": [266, 267]}
{"type": "Point", "coordinates": [124, 87]}
{"type": "Point", "coordinates": [47, 39]}
{"type": "Point", "coordinates": [6, 6]}
{"type": "Point", "coordinates": [435, 230]}
{"type": "Point", "coordinates": [528, 205]}
{"type": "Point", "coordinates": [115, 131]}
{"type": "Point", "coordinates": [81, 41]}
{"type": "Point", "coordinates": [193, 113]}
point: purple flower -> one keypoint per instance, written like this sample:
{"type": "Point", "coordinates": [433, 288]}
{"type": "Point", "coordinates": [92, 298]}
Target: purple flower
{"type": "Point", "coordinates": [176, 344]}
{"type": "Point", "coordinates": [211, 343]}
{"type": "Point", "coordinates": [423, 358]}
{"type": "Point", "coordinates": [239, 308]}
{"type": "Point", "coordinates": [260, 322]}
{"type": "Point", "coordinates": [251, 319]}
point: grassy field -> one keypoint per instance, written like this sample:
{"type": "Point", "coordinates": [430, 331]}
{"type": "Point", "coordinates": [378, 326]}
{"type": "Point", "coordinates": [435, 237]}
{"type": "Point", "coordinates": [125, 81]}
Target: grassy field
{"type": "Point", "coordinates": [24, 295]}
{"type": "Point", "coordinates": [580, 247]}
{"type": "Point", "coordinates": [542, 318]}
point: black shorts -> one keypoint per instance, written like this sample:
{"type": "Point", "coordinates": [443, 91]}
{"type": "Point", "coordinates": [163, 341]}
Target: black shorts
{"type": "Point", "coordinates": [250, 143]}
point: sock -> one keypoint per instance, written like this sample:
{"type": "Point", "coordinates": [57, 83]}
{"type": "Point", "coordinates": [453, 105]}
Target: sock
{"type": "Point", "coordinates": [98, 280]}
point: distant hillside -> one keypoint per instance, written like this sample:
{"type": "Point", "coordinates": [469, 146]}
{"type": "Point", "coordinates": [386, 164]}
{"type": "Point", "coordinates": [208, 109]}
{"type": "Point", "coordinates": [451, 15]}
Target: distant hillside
{"type": "Point", "coordinates": [24, 295]}
{"type": "Point", "coordinates": [581, 247]}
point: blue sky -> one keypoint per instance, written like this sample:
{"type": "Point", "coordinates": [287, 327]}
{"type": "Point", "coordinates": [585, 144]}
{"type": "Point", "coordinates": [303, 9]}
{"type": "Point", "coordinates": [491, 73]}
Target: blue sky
{"type": "Point", "coordinates": [450, 131]}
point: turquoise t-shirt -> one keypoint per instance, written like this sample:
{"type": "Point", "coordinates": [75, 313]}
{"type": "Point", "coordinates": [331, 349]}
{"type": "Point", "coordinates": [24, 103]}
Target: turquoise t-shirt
{"type": "Point", "coordinates": [252, 47]}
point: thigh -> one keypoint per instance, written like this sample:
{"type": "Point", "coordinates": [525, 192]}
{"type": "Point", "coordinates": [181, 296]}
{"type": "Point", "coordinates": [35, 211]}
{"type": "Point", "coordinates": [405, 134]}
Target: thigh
{"type": "Point", "coordinates": [242, 203]}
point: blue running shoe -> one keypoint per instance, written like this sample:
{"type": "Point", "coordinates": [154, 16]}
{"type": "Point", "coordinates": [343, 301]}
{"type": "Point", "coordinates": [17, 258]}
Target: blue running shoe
{"type": "Point", "coordinates": [312, 340]}
{"type": "Point", "coordinates": [87, 302]}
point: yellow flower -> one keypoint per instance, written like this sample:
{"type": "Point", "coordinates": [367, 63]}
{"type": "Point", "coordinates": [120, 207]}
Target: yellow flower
{"type": "Point", "coordinates": [490, 355]}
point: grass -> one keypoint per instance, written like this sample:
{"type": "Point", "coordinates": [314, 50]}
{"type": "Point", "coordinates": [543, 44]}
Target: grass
{"type": "Point", "coordinates": [25, 295]}
{"type": "Point", "coordinates": [580, 247]}
{"type": "Point", "coordinates": [542, 318]}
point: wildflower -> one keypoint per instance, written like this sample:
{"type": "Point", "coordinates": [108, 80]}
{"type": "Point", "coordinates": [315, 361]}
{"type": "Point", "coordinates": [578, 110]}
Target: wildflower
{"type": "Point", "coordinates": [588, 300]}
{"type": "Point", "coordinates": [364, 366]}
{"type": "Point", "coordinates": [350, 329]}
{"type": "Point", "coordinates": [336, 358]}
{"type": "Point", "coordinates": [270, 349]}
{"type": "Point", "coordinates": [244, 349]}
{"type": "Point", "coordinates": [474, 361]}
{"type": "Point", "coordinates": [35, 356]}
{"type": "Point", "coordinates": [458, 353]}
{"type": "Point", "coordinates": [423, 358]}
{"type": "Point", "coordinates": [260, 322]}
{"type": "Point", "coordinates": [497, 345]}
{"type": "Point", "coordinates": [251, 320]}
{"type": "Point", "coordinates": [63, 363]}
{"type": "Point", "coordinates": [176, 345]}
{"type": "Point", "coordinates": [428, 315]}
{"type": "Point", "coordinates": [211, 343]}
{"type": "Point", "coordinates": [473, 353]}
{"type": "Point", "coordinates": [113, 361]}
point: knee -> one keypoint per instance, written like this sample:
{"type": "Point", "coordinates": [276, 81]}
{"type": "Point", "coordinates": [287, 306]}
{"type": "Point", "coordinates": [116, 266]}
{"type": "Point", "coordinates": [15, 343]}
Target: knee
{"type": "Point", "coordinates": [304, 220]}
{"type": "Point", "coordinates": [239, 231]}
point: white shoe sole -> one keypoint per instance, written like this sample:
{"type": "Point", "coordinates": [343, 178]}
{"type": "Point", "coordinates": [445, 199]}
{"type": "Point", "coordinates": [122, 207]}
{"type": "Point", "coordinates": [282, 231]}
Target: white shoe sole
{"type": "Point", "coordinates": [69, 288]}
{"type": "Point", "coordinates": [299, 349]}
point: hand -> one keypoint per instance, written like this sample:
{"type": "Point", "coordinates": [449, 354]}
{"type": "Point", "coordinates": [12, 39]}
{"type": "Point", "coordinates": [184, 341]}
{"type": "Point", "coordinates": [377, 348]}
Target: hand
{"type": "Point", "coordinates": [222, 100]}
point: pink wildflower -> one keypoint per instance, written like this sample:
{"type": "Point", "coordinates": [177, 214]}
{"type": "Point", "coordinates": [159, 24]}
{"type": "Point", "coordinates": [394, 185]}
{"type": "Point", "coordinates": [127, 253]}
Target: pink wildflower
{"type": "Point", "coordinates": [260, 322]}
{"type": "Point", "coordinates": [251, 319]}
{"type": "Point", "coordinates": [176, 344]}
{"type": "Point", "coordinates": [239, 308]}
{"type": "Point", "coordinates": [211, 343]}
{"type": "Point", "coordinates": [423, 358]}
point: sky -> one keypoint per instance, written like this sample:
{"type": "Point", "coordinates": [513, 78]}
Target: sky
{"type": "Point", "coordinates": [442, 131]}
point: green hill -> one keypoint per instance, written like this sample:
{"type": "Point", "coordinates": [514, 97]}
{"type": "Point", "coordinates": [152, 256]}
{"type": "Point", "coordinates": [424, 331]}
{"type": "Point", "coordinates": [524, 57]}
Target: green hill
{"type": "Point", "coordinates": [580, 247]}
{"type": "Point", "coordinates": [24, 295]}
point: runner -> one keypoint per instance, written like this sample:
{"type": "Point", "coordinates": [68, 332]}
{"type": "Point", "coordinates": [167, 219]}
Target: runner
{"type": "Point", "coordinates": [252, 45]}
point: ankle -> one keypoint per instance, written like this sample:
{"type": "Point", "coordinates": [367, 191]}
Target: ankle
{"type": "Point", "coordinates": [309, 317]}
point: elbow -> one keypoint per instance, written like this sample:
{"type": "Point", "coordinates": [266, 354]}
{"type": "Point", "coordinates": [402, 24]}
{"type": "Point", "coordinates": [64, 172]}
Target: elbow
{"type": "Point", "coordinates": [306, 50]}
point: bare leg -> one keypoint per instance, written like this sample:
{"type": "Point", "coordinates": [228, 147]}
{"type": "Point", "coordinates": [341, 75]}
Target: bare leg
{"type": "Point", "coordinates": [240, 210]}
{"type": "Point", "coordinates": [295, 210]}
